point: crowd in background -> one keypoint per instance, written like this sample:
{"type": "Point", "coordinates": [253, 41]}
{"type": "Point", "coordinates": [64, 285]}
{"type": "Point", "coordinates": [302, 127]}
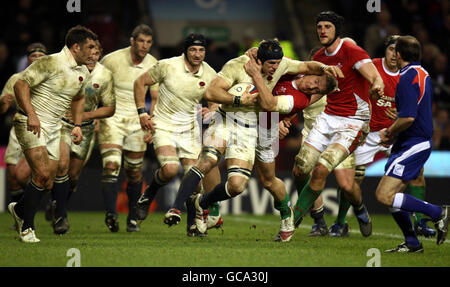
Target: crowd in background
{"type": "Point", "coordinates": [27, 21]}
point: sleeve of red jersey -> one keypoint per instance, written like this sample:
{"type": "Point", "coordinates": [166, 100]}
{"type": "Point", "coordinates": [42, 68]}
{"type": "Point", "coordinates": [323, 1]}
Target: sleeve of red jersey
{"type": "Point", "coordinates": [357, 56]}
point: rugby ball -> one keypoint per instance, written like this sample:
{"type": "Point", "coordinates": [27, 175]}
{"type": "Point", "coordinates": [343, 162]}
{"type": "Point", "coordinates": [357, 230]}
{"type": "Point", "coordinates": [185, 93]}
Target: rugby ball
{"type": "Point", "coordinates": [239, 89]}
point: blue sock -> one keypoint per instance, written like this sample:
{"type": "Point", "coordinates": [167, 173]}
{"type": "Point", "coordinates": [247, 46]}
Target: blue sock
{"type": "Point", "coordinates": [219, 193]}
{"type": "Point", "coordinates": [409, 203]}
{"type": "Point", "coordinates": [187, 187]}
{"type": "Point", "coordinates": [404, 222]}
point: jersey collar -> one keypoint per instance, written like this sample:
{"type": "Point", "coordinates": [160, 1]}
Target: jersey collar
{"type": "Point", "coordinates": [407, 67]}
{"type": "Point", "coordinates": [386, 69]}
{"type": "Point", "coordinates": [71, 60]}
{"type": "Point", "coordinates": [199, 72]}
{"type": "Point", "coordinates": [337, 49]}
{"type": "Point", "coordinates": [140, 65]}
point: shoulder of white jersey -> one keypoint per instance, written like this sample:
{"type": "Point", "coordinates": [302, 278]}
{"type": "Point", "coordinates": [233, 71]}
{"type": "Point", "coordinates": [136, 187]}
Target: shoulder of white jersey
{"type": "Point", "coordinates": [114, 53]}
{"type": "Point", "coordinates": [207, 67]}
{"type": "Point", "coordinates": [151, 58]}
{"type": "Point", "coordinates": [102, 69]}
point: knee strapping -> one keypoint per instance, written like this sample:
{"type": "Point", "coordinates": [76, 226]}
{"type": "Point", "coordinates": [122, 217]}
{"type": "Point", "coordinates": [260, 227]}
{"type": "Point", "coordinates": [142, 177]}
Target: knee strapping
{"type": "Point", "coordinates": [332, 157]}
{"type": "Point", "coordinates": [306, 159]}
{"type": "Point", "coordinates": [133, 164]}
{"type": "Point", "coordinates": [211, 152]}
{"type": "Point", "coordinates": [360, 172]}
{"type": "Point", "coordinates": [114, 156]}
{"type": "Point", "coordinates": [165, 159]}
{"type": "Point", "coordinates": [235, 170]}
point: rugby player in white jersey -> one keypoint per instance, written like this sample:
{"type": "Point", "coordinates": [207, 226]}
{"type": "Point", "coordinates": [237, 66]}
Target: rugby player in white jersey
{"type": "Point", "coordinates": [97, 90]}
{"type": "Point", "coordinates": [44, 91]}
{"type": "Point", "coordinates": [122, 132]}
{"type": "Point", "coordinates": [17, 173]}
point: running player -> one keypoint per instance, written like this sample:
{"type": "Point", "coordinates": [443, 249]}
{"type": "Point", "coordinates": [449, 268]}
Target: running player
{"type": "Point", "coordinates": [176, 133]}
{"type": "Point", "coordinates": [44, 91]}
{"type": "Point", "coordinates": [411, 137]}
{"type": "Point", "coordinates": [17, 174]}
{"type": "Point", "coordinates": [97, 89]}
{"type": "Point", "coordinates": [122, 132]}
{"type": "Point", "coordinates": [339, 129]}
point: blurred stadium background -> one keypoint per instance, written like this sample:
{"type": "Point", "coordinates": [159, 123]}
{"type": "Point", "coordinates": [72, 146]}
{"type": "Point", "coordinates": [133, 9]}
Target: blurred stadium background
{"type": "Point", "coordinates": [231, 27]}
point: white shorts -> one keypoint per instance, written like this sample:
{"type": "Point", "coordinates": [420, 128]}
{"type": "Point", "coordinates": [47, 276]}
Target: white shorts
{"type": "Point", "coordinates": [365, 154]}
{"type": "Point", "coordinates": [330, 129]}
{"type": "Point", "coordinates": [81, 151]}
{"type": "Point", "coordinates": [123, 131]}
{"type": "Point", "coordinates": [50, 136]}
{"type": "Point", "coordinates": [349, 162]}
{"type": "Point", "coordinates": [267, 147]}
{"type": "Point", "coordinates": [186, 141]}
{"type": "Point", "coordinates": [240, 140]}
{"type": "Point", "coordinates": [13, 151]}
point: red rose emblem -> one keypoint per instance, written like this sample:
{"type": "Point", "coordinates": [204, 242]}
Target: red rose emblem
{"type": "Point", "coordinates": [96, 86]}
{"type": "Point", "coordinates": [269, 78]}
{"type": "Point", "coordinates": [202, 84]}
{"type": "Point", "coordinates": [80, 78]}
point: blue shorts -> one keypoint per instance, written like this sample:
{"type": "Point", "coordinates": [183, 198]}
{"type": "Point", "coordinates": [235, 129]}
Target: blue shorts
{"type": "Point", "coordinates": [406, 160]}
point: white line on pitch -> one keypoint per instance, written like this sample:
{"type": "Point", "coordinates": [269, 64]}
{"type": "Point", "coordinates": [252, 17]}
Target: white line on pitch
{"type": "Point", "coordinates": [304, 226]}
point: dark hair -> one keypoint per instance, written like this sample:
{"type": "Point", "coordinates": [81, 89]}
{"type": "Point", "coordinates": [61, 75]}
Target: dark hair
{"type": "Point", "coordinates": [314, 51]}
{"type": "Point", "coordinates": [141, 29]}
{"type": "Point", "coordinates": [409, 48]}
{"type": "Point", "coordinates": [36, 47]}
{"type": "Point", "coordinates": [392, 39]}
{"type": "Point", "coordinates": [270, 50]}
{"type": "Point", "coordinates": [78, 35]}
{"type": "Point", "coordinates": [331, 84]}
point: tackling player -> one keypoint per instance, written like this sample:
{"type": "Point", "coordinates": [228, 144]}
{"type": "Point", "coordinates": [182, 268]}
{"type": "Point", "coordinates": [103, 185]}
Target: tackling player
{"type": "Point", "coordinates": [411, 137]}
{"type": "Point", "coordinates": [293, 93]}
{"type": "Point", "coordinates": [340, 128]}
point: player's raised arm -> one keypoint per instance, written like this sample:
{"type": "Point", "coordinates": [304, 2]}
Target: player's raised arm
{"type": "Point", "coordinates": [371, 74]}
{"type": "Point", "coordinates": [317, 68]}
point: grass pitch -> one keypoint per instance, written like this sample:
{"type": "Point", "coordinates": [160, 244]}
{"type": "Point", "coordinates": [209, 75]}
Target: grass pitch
{"type": "Point", "coordinates": [244, 241]}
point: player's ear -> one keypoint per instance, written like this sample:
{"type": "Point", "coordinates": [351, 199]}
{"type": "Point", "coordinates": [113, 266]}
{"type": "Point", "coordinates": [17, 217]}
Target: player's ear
{"type": "Point", "coordinates": [131, 41]}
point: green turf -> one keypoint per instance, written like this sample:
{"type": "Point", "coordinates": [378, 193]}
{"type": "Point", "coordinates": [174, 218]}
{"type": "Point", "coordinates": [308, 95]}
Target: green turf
{"type": "Point", "coordinates": [245, 240]}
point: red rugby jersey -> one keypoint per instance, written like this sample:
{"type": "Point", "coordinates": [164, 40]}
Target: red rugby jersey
{"type": "Point", "coordinates": [287, 87]}
{"type": "Point", "coordinates": [379, 120]}
{"type": "Point", "coordinates": [350, 101]}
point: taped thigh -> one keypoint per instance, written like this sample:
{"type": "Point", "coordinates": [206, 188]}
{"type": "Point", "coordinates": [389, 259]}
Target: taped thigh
{"type": "Point", "coordinates": [111, 155]}
{"type": "Point", "coordinates": [306, 159]}
{"type": "Point", "coordinates": [332, 157]}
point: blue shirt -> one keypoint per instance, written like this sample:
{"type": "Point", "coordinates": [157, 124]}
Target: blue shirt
{"type": "Point", "coordinates": [413, 98]}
